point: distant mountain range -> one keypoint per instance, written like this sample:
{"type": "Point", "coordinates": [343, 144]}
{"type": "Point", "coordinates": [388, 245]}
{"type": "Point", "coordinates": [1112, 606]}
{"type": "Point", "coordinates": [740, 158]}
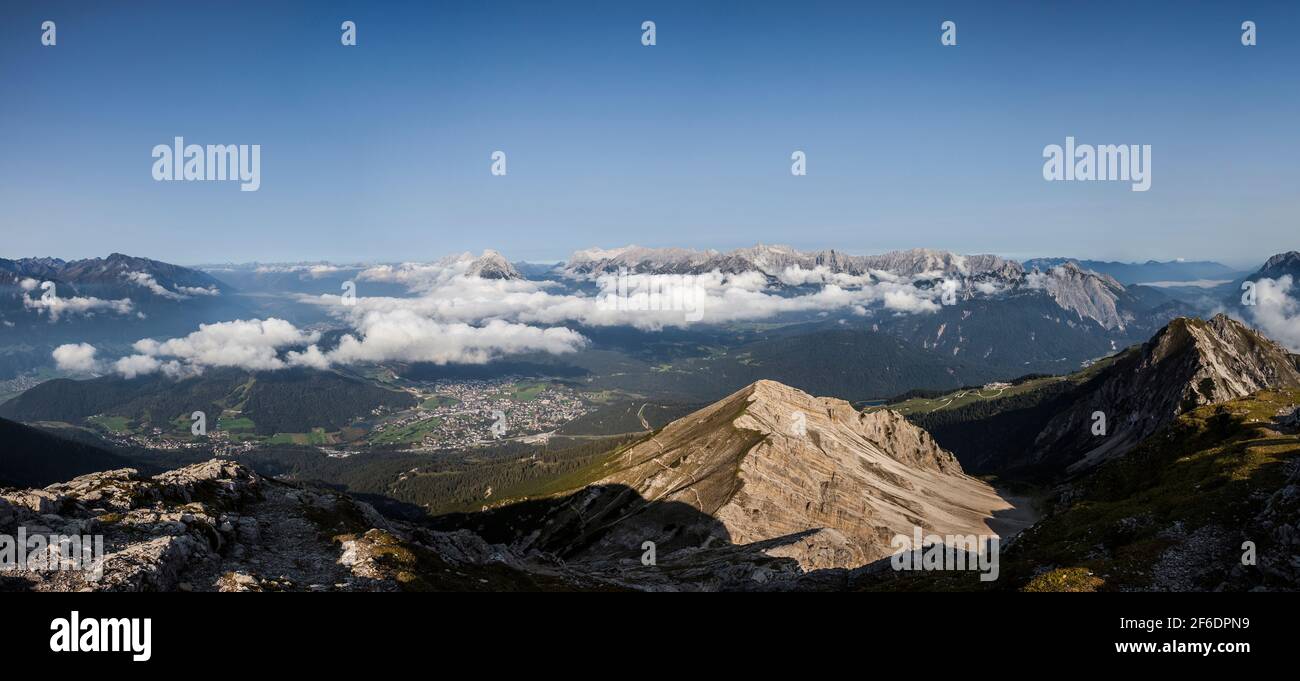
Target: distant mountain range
{"type": "Point", "coordinates": [1147, 272]}
{"type": "Point", "coordinates": [146, 283]}
{"type": "Point", "coordinates": [1278, 266]}
{"type": "Point", "coordinates": [775, 260]}
{"type": "Point", "coordinates": [1087, 295]}
{"type": "Point", "coordinates": [1005, 318]}
{"type": "Point", "coordinates": [113, 301]}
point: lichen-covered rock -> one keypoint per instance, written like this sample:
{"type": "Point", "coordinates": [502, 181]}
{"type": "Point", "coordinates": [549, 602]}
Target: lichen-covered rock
{"type": "Point", "coordinates": [154, 565]}
{"type": "Point", "coordinates": [38, 501]}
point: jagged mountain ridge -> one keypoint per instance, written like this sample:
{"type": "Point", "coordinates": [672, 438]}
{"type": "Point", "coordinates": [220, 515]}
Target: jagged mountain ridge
{"type": "Point", "coordinates": [1144, 272]}
{"type": "Point", "coordinates": [112, 277]}
{"type": "Point", "coordinates": [1279, 265]}
{"type": "Point", "coordinates": [1087, 295]}
{"type": "Point", "coordinates": [219, 526]}
{"type": "Point", "coordinates": [1232, 296]}
{"type": "Point", "coordinates": [1189, 362]}
{"type": "Point", "coordinates": [1173, 514]}
{"type": "Point", "coordinates": [492, 265]}
{"type": "Point", "coordinates": [766, 463]}
{"type": "Point", "coordinates": [110, 302]}
{"type": "Point", "coordinates": [773, 260]}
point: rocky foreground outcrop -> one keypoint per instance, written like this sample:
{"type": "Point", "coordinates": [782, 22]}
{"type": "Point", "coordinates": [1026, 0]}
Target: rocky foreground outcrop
{"type": "Point", "coordinates": [219, 526]}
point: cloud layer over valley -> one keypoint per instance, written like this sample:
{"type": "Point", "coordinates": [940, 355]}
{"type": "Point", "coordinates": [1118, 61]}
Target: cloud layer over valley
{"type": "Point", "coordinates": [454, 316]}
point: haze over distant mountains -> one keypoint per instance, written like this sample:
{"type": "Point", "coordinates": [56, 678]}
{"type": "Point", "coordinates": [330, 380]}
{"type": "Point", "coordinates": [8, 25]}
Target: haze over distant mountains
{"type": "Point", "coordinates": [980, 310]}
{"type": "Point", "coordinates": [112, 301]}
{"type": "Point", "coordinates": [1146, 272]}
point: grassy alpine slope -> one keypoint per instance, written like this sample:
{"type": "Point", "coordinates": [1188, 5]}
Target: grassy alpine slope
{"type": "Point", "coordinates": [1172, 514]}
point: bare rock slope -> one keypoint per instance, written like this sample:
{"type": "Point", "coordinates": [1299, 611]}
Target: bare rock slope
{"type": "Point", "coordinates": [768, 462]}
{"type": "Point", "coordinates": [1189, 363]}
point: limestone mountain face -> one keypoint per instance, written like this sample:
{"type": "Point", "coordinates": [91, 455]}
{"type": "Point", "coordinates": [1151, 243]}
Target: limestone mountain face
{"type": "Point", "coordinates": [1074, 296]}
{"type": "Point", "coordinates": [117, 276]}
{"type": "Point", "coordinates": [1280, 265]}
{"type": "Point", "coordinates": [773, 260]}
{"type": "Point", "coordinates": [1129, 273]}
{"type": "Point", "coordinates": [1190, 362]}
{"type": "Point", "coordinates": [767, 463]}
{"type": "Point", "coordinates": [492, 265]}
{"type": "Point", "coordinates": [1087, 294]}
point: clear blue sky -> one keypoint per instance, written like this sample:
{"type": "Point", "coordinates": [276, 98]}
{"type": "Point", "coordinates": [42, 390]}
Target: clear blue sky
{"type": "Point", "coordinates": [381, 152]}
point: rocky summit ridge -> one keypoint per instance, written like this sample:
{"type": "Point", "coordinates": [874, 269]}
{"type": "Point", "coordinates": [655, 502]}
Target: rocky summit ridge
{"type": "Point", "coordinates": [772, 462]}
{"type": "Point", "coordinates": [1188, 363]}
{"type": "Point", "coordinates": [219, 526]}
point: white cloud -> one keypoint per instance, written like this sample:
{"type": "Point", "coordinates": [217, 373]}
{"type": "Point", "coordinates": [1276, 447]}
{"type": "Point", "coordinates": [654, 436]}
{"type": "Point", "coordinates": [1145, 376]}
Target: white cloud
{"type": "Point", "coordinates": [1036, 280]}
{"type": "Point", "coordinates": [76, 357]}
{"type": "Point", "coordinates": [401, 335]}
{"type": "Point", "coordinates": [798, 276]}
{"type": "Point", "coordinates": [306, 270]}
{"type": "Point", "coordinates": [148, 281]}
{"type": "Point", "coordinates": [1275, 312]}
{"type": "Point", "coordinates": [405, 336]}
{"type": "Point", "coordinates": [643, 301]}
{"type": "Point", "coordinates": [455, 318]}
{"type": "Point", "coordinates": [248, 344]}
{"type": "Point", "coordinates": [312, 357]}
{"type": "Point", "coordinates": [1193, 283]}
{"type": "Point", "coordinates": [907, 301]}
{"type": "Point", "coordinates": [56, 306]}
{"type": "Point", "coordinates": [417, 276]}
{"type": "Point", "coordinates": [136, 365]}
{"type": "Point", "coordinates": [198, 291]}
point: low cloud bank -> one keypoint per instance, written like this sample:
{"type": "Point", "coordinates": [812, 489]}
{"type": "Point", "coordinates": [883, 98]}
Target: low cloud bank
{"type": "Point", "coordinates": [56, 306]}
{"type": "Point", "coordinates": [147, 281]}
{"type": "Point", "coordinates": [643, 301]}
{"type": "Point", "coordinates": [1276, 311]}
{"type": "Point", "coordinates": [455, 317]}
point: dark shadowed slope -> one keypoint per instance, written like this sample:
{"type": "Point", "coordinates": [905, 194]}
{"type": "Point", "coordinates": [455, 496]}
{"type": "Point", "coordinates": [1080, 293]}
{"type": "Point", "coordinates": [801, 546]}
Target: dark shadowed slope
{"type": "Point", "coordinates": [33, 458]}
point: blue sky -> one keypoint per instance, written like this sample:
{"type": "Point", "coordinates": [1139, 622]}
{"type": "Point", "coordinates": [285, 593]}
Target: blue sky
{"type": "Point", "coordinates": [381, 151]}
